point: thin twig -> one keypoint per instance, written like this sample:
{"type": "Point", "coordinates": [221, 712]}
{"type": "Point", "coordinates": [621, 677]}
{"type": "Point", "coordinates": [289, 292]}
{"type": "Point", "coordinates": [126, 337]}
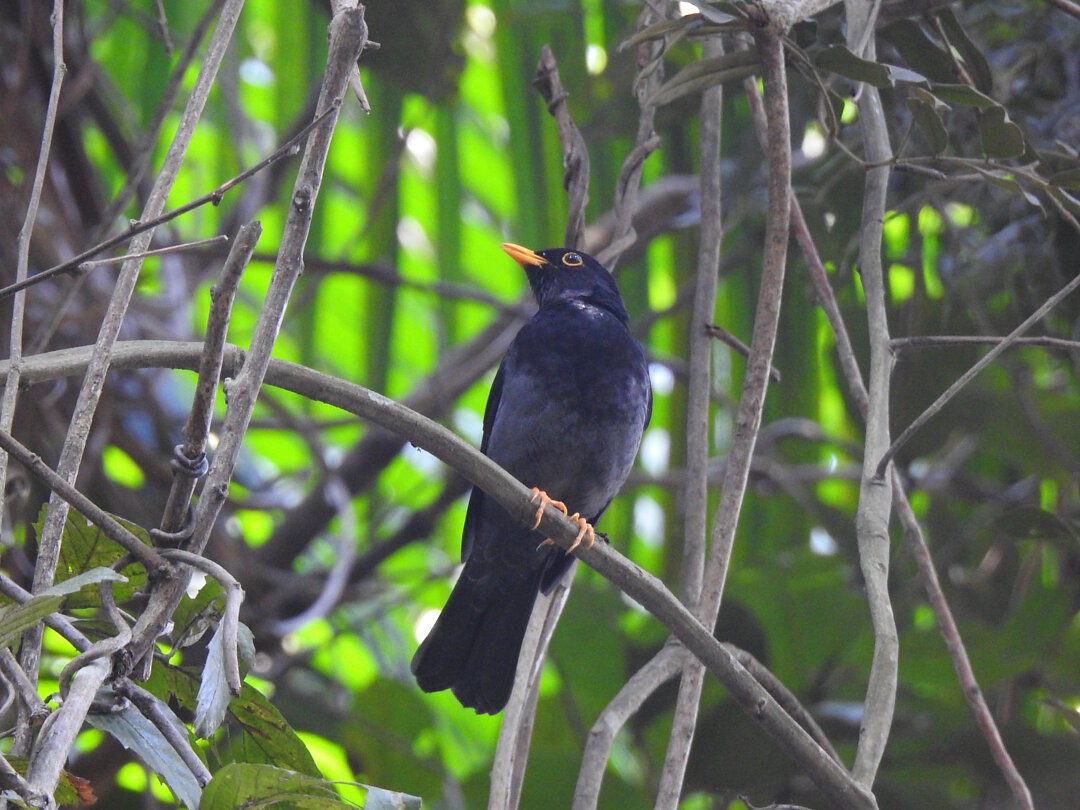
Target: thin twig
{"type": "Point", "coordinates": [659, 669]}
{"type": "Point", "coordinates": [11, 385]}
{"type": "Point", "coordinates": [150, 137]}
{"type": "Point", "coordinates": [650, 76]}
{"type": "Point", "coordinates": [950, 341]}
{"type": "Point", "coordinates": [214, 197]}
{"type": "Point", "coordinates": [197, 428]}
{"type": "Point", "coordinates": [574, 152]}
{"type": "Point", "coordinates": [348, 33]}
{"type": "Point", "coordinates": [29, 657]}
{"type": "Point", "coordinates": [724, 336]}
{"type": "Point", "coordinates": [198, 243]}
{"type": "Point", "coordinates": [22, 686]}
{"type": "Point", "coordinates": [698, 421]}
{"type": "Point", "coordinates": [988, 358]}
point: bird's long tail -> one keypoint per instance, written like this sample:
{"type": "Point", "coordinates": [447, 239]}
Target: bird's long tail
{"type": "Point", "coordinates": [474, 646]}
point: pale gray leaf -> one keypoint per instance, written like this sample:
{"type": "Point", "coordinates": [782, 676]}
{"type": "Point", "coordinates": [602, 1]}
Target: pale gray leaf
{"type": "Point", "coordinates": [138, 734]}
{"type": "Point", "coordinates": [214, 695]}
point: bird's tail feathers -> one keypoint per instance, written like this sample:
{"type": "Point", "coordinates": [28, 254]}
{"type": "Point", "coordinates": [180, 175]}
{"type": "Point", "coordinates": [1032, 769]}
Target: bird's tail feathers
{"type": "Point", "coordinates": [474, 646]}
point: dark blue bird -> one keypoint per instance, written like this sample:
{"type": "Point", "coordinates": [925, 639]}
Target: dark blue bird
{"type": "Point", "coordinates": [565, 416]}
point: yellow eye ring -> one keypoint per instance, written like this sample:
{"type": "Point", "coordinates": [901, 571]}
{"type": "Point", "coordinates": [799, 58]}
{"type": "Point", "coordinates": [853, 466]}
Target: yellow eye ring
{"type": "Point", "coordinates": [572, 260]}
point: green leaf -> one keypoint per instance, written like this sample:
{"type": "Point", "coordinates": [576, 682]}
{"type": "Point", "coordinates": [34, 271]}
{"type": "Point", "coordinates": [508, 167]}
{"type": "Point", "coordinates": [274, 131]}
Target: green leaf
{"type": "Point", "coordinates": [977, 66]}
{"type": "Point", "coordinates": [919, 52]}
{"type": "Point", "coordinates": [140, 735]}
{"type": "Point", "coordinates": [1070, 178]}
{"type": "Point", "coordinates": [14, 621]}
{"type": "Point", "coordinates": [83, 547]}
{"type": "Point", "coordinates": [705, 73]}
{"type": "Point", "coordinates": [1009, 182]}
{"type": "Point", "coordinates": [962, 94]}
{"type": "Point", "coordinates": [838, 59]}
{"type": "Point", "coordinates": [267, 738]}
{"type": "Point", "coordinates": [254, 787]}
{"type": "Point", "coordinates": [1001, 138]}
{"type": "Point", "coordinates": [930, 123]}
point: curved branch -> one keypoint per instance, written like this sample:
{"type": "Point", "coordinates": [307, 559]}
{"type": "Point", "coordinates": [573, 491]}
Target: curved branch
{"type": "Point", "coordinates": [515, 497]}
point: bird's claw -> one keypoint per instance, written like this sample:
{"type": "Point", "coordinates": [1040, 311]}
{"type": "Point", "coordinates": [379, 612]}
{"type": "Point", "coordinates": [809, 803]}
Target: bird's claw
{"type": "Point", "coordinates": [585, 532]}
{"type": "Point", "coordinates": [545, 500]}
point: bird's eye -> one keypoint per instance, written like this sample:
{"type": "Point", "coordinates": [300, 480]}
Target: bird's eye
{"type": "Point", "coordinates": [572, 260]}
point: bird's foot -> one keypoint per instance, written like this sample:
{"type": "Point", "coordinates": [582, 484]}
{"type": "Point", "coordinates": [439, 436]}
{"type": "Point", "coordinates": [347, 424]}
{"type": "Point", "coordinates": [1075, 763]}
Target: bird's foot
{"type": "Point", "coordinates": [585, 532]}
{"type": "Point", "coordinates": [545, 500]}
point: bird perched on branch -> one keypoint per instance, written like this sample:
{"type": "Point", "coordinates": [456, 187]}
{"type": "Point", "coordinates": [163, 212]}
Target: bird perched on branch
{"type": "Point", "coordinates": [565, 416]}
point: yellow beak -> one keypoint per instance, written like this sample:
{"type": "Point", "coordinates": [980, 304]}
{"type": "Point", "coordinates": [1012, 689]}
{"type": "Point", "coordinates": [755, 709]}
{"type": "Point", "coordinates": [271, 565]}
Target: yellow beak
{"type": "Point", "coordinates": [522, 255]}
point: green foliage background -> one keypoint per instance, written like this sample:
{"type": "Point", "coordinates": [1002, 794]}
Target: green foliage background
{"type": "Point", "coordinates": [403, 266]}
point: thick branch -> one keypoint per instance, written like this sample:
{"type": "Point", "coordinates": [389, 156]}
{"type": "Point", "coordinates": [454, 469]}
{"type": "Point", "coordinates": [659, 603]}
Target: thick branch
{"type": "Point", "coordinates": [875, 495]}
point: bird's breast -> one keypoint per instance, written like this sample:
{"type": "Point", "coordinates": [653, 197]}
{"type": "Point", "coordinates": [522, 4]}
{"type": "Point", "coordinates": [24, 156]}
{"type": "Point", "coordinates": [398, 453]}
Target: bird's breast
{"type": "Point", "coordinates": [573, 406]}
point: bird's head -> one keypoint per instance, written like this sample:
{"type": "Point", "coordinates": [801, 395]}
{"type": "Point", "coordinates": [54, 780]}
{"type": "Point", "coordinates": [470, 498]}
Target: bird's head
{"type": "Point", "coordinates": [569, 275]}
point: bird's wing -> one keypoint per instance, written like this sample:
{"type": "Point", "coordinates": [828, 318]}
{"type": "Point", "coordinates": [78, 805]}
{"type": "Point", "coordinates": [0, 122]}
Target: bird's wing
{"type": "Point", "coordinates": [476, 500]}
{"type": "Point", "coordinates": [492, 406]}
{"type": "Point", "coordinates": [648, 402]}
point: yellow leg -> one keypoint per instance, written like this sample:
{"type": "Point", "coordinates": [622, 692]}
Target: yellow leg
{"type": "Point", "coordinates": [585, 531]}
{"type": "Point", "coordinates": [545, 500]}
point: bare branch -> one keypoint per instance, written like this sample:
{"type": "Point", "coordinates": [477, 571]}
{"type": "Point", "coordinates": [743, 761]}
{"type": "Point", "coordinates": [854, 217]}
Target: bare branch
{"type": "Point", "coordinates": [21, 685]}
{"type": "Point", "coordinates": [348, 33]}
{"type": "Point", "coordinates": [875, 495]}
{"type": "Point", "coordinates": [947, 341]}
{"type": "Point", "coordinates": [29, 659]}
{"type": "Point", "coordinates": [698, 444]}
{"type": "Point", "coordinates": [185, 246]}
{"type": "Point", "coordinates": [575, 153]}
{"type": "Point", "coordinates": [94, 382]}
{"type": "Point", "coordinates": [197, 428]}
{"type": "Point", "coordinates": [58, 733]}
{"type": "Point", "coordinates": [145, 224]}
{"type": "Point", "coordinates": [516, 498]}
{"type": "Point", "coordinates": [661, 668]}
{"type": "Point", "coordinates": [988, 358]}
